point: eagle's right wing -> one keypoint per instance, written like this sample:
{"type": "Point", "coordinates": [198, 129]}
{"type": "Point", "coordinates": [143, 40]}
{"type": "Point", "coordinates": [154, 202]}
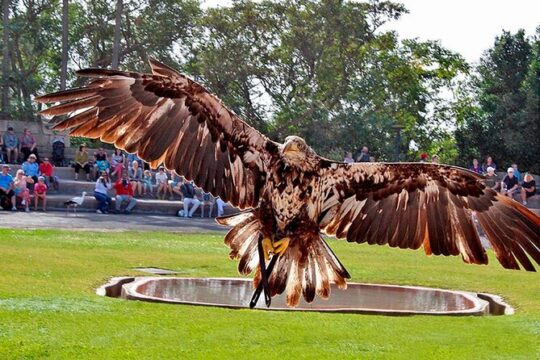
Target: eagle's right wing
{"type": "Point", "coordinates": [168, 118]}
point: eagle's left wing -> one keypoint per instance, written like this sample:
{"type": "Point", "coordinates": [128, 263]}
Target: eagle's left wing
{"type": "Point", "coordinates": [409, 205]}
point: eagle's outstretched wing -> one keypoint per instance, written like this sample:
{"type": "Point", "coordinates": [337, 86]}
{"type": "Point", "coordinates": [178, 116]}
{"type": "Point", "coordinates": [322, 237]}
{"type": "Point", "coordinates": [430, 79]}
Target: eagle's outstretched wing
{"type": "Point", "coordinates": [170, 119]}
{"type": "Point", "coordinates": [409, 205]}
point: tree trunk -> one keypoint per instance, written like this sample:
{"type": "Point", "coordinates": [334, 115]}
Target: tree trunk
{"type": "Point", "coordinates": [117, 29]}
{"type": "Point", "coordinates": [5, 60]}
{"type": "Point", "coordinates": [65, 46]}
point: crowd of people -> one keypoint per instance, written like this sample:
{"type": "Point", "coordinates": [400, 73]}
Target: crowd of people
{"type": "Point", "coordinates": [124, 176]}
{"type": "Point", "coordinates": [361, 155]}
{"type": "Point", "coordinates": [128, 181]}
{"type": "Point", "coordinates": [130, 178]}
{"type": "Point", "coordinates": [12, 146]}
{"type": "Point", "coordinates": [21, 187]}
{"type": "Point", "coordinates": [512, 184]}
{"type": "Point", "coordinates": [33, 179]}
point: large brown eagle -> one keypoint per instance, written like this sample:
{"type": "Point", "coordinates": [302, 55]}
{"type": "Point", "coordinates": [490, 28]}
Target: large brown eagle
{"type": "Point", "coordinates": [290, 195]}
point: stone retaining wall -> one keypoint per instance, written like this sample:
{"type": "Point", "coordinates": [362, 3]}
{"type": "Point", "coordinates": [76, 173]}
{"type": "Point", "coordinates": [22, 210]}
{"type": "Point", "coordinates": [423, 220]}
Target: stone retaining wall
{"type": "Point", "coordinates": [44, 136]}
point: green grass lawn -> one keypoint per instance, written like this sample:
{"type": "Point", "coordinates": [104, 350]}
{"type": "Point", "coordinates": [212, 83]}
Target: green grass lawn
{"type": "Point", "coordinates": [48, 306]}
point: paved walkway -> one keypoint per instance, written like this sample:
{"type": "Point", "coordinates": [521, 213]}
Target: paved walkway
{"type": "Point", "coordinates": [98, 222]}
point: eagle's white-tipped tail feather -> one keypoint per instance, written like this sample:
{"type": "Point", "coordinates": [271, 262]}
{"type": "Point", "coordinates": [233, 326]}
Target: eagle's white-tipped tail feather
{"type": "Point", "coordinates": [307, 268]}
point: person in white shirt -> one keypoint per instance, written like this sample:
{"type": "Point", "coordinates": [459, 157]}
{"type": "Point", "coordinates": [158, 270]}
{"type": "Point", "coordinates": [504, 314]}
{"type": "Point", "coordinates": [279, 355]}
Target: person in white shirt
{"type": "Point", "coordinates": [189, 198]}
{"type": "Point", "coordinates": [103, 185]}
{"type": "Point", "coordinates": [162, 182]}
{"type": "Point", "coordinates": [348, 157]}
{"type": "Point", "coordinates": [219, 204]}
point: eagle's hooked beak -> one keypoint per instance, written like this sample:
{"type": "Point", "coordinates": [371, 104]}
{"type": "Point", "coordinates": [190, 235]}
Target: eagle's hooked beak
{"type": "Point", "coordinates": [290, 147]}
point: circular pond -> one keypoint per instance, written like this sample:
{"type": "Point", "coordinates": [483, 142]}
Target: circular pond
{"type": "Point", "coordinates": [357, 298]}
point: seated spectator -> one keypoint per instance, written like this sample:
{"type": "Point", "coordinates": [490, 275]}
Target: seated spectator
{"type": "Point", "coordinates": [348, 158]}
{"type": "Point", "coordinates": [124, 193]}
{"type": "Point", "coordinates": [117, 162]}
{"type": "Point", "coordinates": [7, 194]}
{"type": "Point", "coordinates": [133, 157]}
{"type": "Point", "coordinates": [176, 186]}
{"type": "Point", "coordinates": [81, 162]}
{"type": "Point", "coordinates": [492, 180]}
{"type": "Point", "coordinates": [219, 204]}
{"type": "Point", "coordinates": [517, 174]}
{"type": "Point", "coordinates": [509, 183]}
{"type": "Point", "coordinates": [58, 150]}
{"type": "Point", "coordinates": [1, 148]}
{"type": "Point", "coordinates": [363, 155]}
{"type": "Point", "coordinates": [207, 200]}
{"type": "Point", "coordinates": [40, 192]}
{"type": "Point", "coordinates": [148, 188]}
{"type": "Point", "coordinates": [101, 161]}
{"type": "Point", "coordinates": [11, 142]}
{"type": "Point", "coordinates": [102, 165]}
{"type": "Point", "coordinates": [435, 159]}
{"type": "Point", "coordinates": [31, 168]}
{"type": "Point", "coordinates": [190, 198]}
{"type": "Point", "coordinates": [103, 185]}
{"type": "Point", "coordinates": [46, 169]}
{"type": "Point", "coordinates": [489, 163]}
{"type": "Point", "coordinates": [476, 167]}
{"type": "Point", "coordinates": [135, 174]}
{"type": "Point", "coordinates": [28, 144]}
{"type": "Point", "coordinates": [174, 178]}
{"type": "Point", "coordinates": [423, 157]}
{"type": "Point", "coordinates": [162, 182]}
{"type": "Point", "coordinates": [528, 188]}
{"type": "Point", "coordinates": [21, 184]}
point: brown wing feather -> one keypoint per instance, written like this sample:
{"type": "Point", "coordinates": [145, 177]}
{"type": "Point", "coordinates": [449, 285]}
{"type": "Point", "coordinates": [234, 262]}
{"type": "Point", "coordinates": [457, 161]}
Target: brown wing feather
{"type": "Point", "coordinates": [168, 118]}
{"type": "Point", "coordinates": [409, 205]}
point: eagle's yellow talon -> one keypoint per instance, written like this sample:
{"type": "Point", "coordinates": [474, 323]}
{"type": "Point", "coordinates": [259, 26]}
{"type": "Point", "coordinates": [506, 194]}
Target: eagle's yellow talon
{"type": "Point", "coordinates": [281, 246]}
{"type": "Point", "coordinates": [267, 247]}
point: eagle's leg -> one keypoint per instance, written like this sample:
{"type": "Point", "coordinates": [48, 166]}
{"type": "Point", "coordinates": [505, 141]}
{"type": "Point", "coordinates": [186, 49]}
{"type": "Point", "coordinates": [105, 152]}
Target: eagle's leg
{"type": "Point", "coordinates": [265, 247]}
{"type": "Point", "coordinates": [263, 254]}
{"type": "Point", "coordinates": [257, 293]}
{"type": "Point", "coordinates": [264, 277]}
{"type": "Point", "coordinates": [281, 246]}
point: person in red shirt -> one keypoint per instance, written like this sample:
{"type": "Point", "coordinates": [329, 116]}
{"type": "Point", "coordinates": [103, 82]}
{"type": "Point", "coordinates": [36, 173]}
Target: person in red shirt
{"type": "Point", "coordinates": [40, 192]}
{"type": "Point", "coordinates": [46, 169]}
{"type": "Point", "coordinates": [124, 193]}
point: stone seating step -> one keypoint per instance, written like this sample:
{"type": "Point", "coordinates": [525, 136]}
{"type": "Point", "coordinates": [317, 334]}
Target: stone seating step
{"type": "Point", "coordinates": [65, 172]}
{"type": "Point", "coordinates": [144, 206]}
{"type": "Point", "coordinates": [75, 187]}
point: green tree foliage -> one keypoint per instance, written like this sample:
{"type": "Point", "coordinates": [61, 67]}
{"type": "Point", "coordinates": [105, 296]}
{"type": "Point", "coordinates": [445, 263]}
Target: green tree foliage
{"type": "Point", "coordinates": [504, 123]}
{"type": "Point", "coordinates": [327, 72]}
{"type": "Point", "coordinates": [35, 27]}
{"type": "Point", "coordinates": [159, 28]}
{"type": "Point", "coordinates": [530, 120]}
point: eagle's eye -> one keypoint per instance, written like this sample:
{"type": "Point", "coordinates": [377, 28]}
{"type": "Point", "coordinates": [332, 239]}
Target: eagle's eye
{"type": "Point", "coordinates": [292, 146]}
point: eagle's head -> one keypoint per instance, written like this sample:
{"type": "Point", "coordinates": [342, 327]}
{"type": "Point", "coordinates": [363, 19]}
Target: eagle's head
{"type": "Point", "coordinates": [298, 154]}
